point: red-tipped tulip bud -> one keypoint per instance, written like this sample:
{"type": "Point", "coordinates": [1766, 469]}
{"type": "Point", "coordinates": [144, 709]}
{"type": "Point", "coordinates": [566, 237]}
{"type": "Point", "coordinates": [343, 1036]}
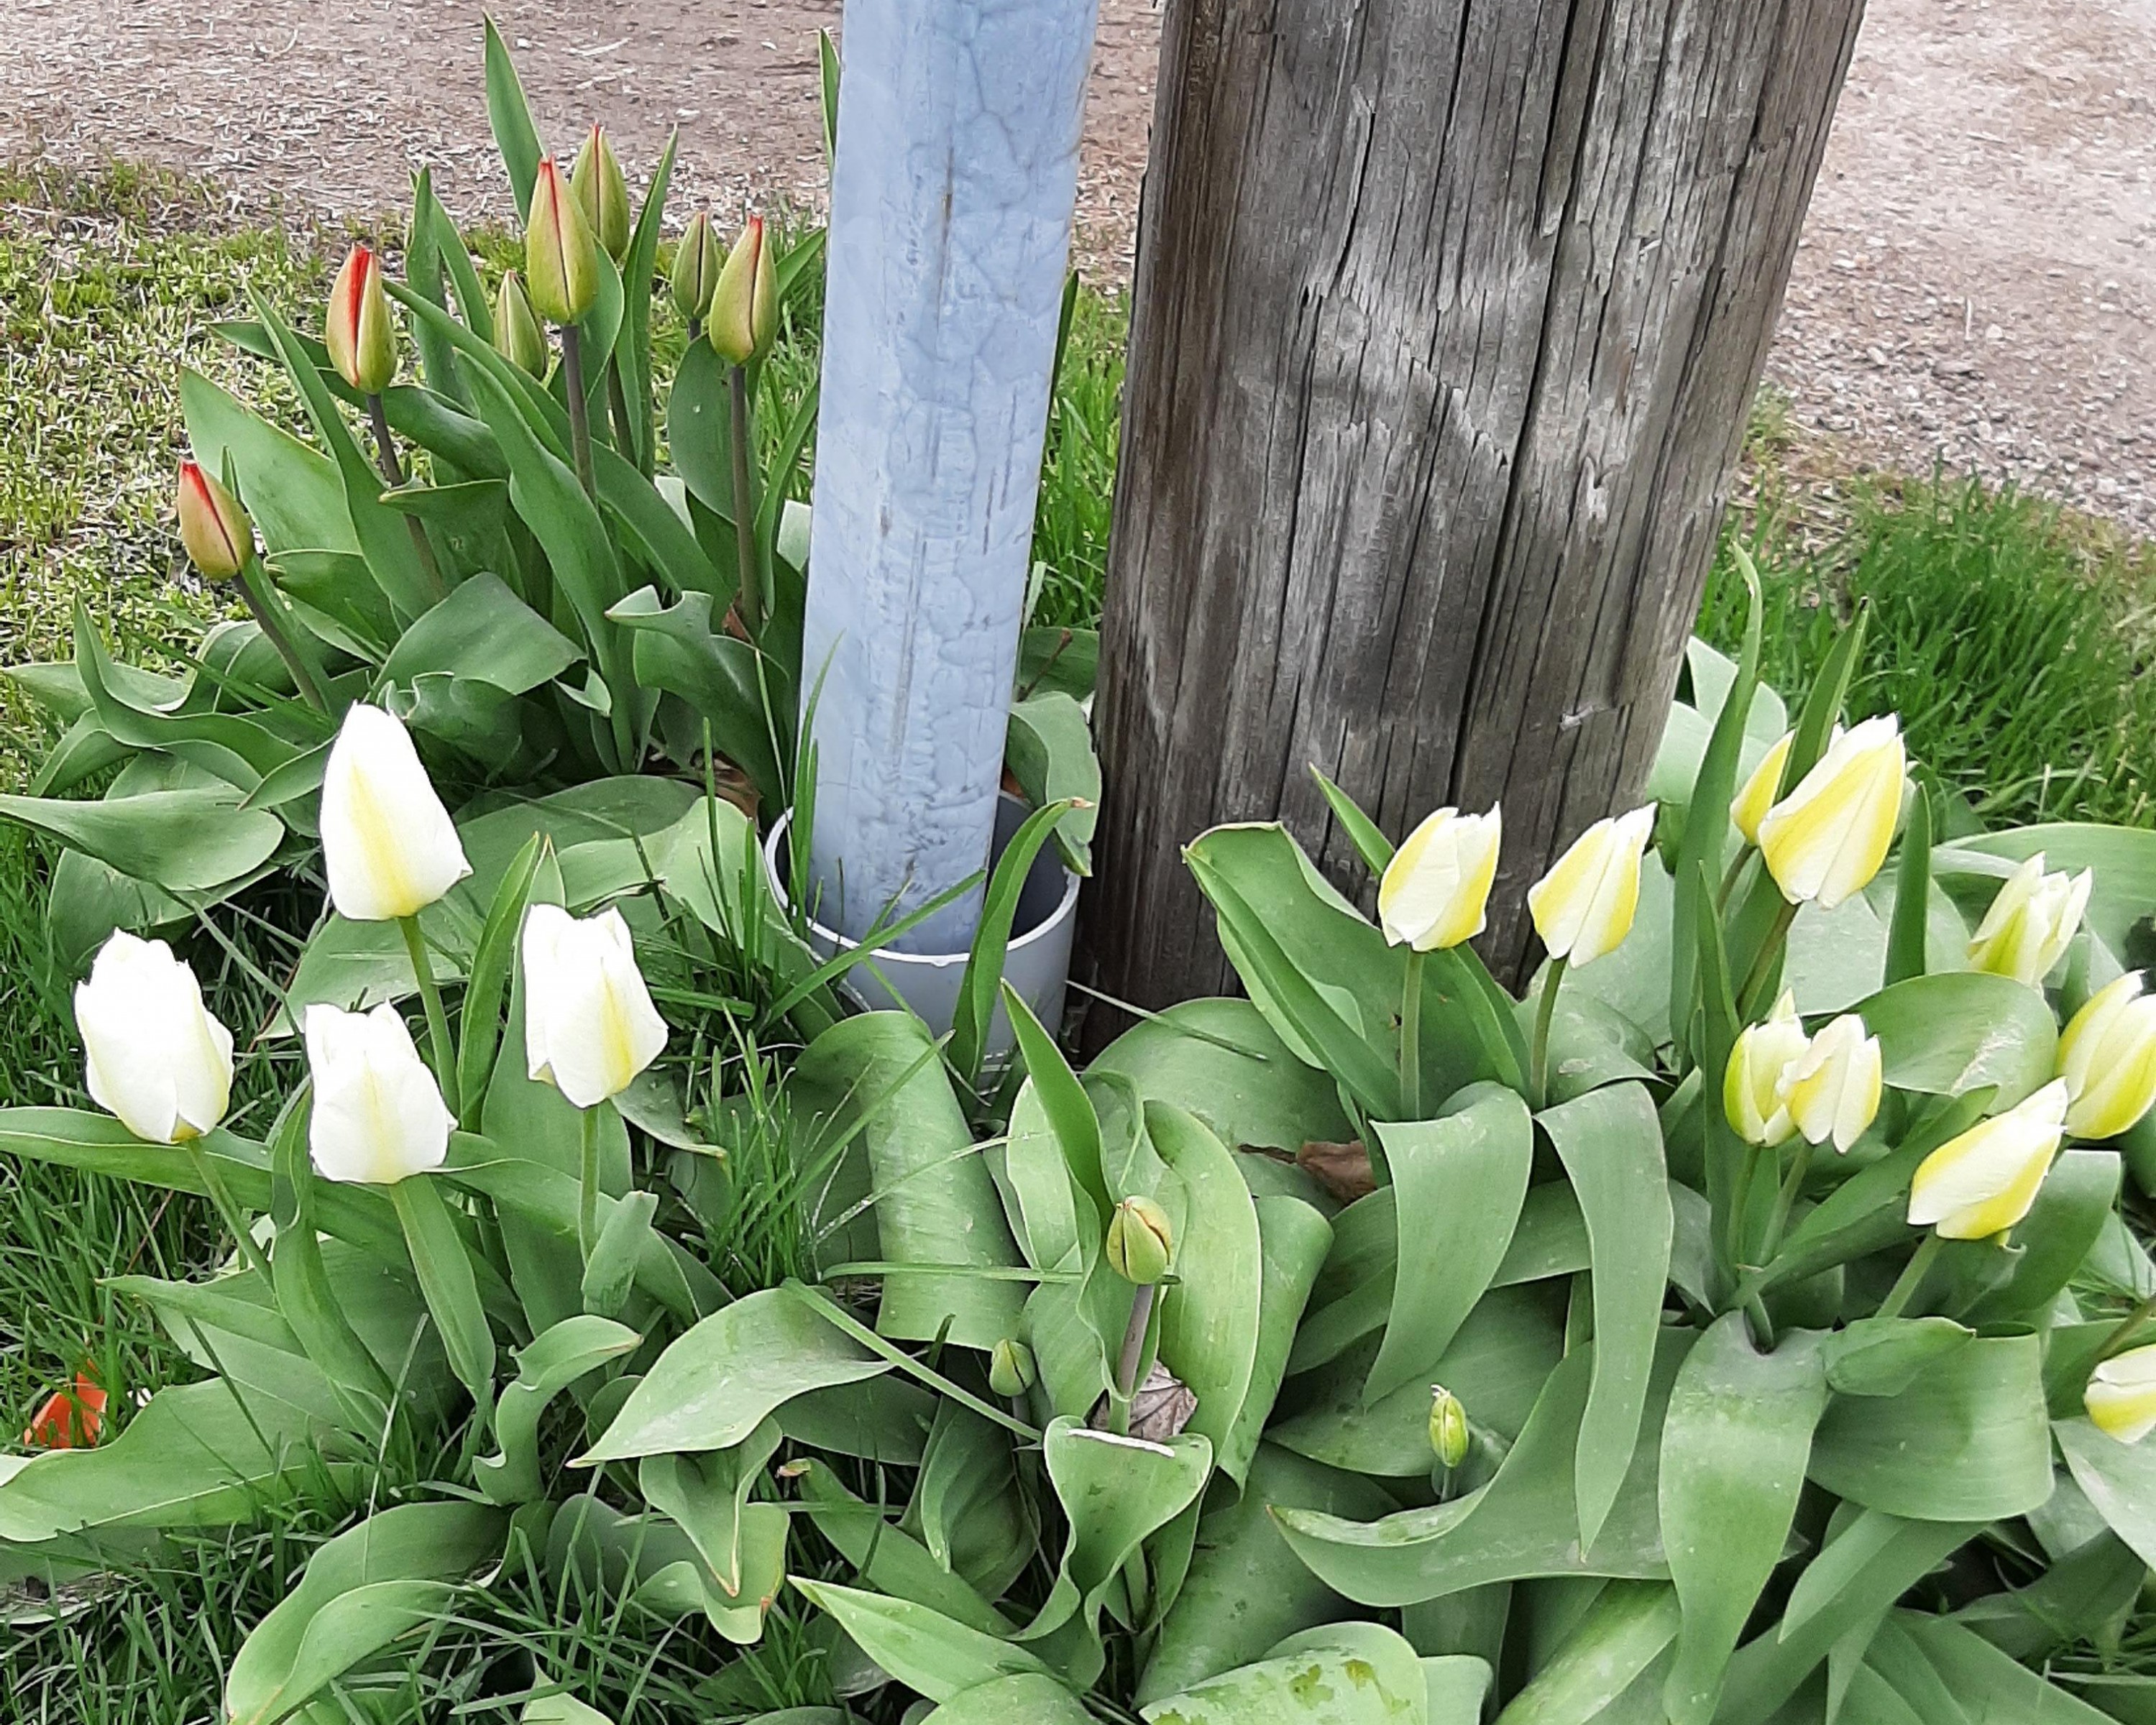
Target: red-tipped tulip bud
{"type": "Point", "coordinates": [1141, 1242]}
{"type": "Point", "coordinates": [519, 337]}
{"type": "Point", "coordinates": [360, 334]}
{"type": "Point", "coordinates": [561, 257]}
{"type": "Point", "coordinates": [696, 265]}
{"type": "Point", "coordinates": [744, 315]}
{"type": "Point", "coordinates": [603, 193]}
{"type": "Point", "coordinates": [213, 526]}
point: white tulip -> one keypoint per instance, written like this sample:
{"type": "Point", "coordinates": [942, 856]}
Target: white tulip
{"type": "Point", "coordinates": [389, 845]}
{"type": "Point", "coordinates": [155, 1056]}
{"type": "Point", "coordinates": [1753, 1098]}
{"type": "Point", "coordinates": [589, 1025]}
{"type": "Point", "coordinates": [1983, 1181]}
{"type": "Point", "coordinates": [1826, 840]}
{"type": "Point", "coordinates": [1583, 908]}
{"type": "Point", "coordinates": [1832, 1089]}
{"type": "Point", "coordinates": [2032, 922]}
{"type": "Point", "coordinates": [378, 1113]}
{"type": "Point", "coordinates": [2121, 1395]}
{"type": "Point", "coordinates": [1434, 890]}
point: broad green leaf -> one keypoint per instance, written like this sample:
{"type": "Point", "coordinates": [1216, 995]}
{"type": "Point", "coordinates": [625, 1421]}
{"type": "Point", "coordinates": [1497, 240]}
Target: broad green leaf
{"type": "Point", "coordinates": [1610, 1143]}
{"type": "Point", "coordinates": [2078, 1197]}
{"type": "Point", "coordinates": [967, 1505]}
{"type": "Point", "coordinates": [922, 1648]}
{"type": "Point", "coordinates": [889, 1559]}
{"type": "Point", "coordinates": [1054, 657]}
{"type": "Point", "coordinates": [678, 649]}
{"type": "Point", "coordinates": [1625, 1630]}
{"type": "Point", "coordinates": [1068, 1109]}
{"type": "Point", "coordinates": [1293, 1239]}
{"type": "Point", "coordinates": [446, 1278]}
{"type": "Point", "coordinates": [1339, 1674]}
{"type": "Point", "coordinates": [1906, 935]}
{"type": "Point", "coordinates": [1210, 1315]}
{"type": "Point", "coordinates": [1962, 1030]}
{"type": "Point", "coordinates": [1734, 1445]}
{"type": "Point", "coordinates": [560, 1710]}
{"type": "Point", "coordinates": [184, 841]}
{"type": "Point", "coordinates": [708, 1497]}
{"type": "Point", "coordinates": [2078, 1598]}
{"type": "Point", "coordinates": [1036, 1699]}
{"type": "Point", "coordinates": [1883, 1355]}
{"type": "Point", "coordinates": [2119, 1479]}
{"type": "Point", "coordinates": [1935, 1656]}
{"type": "Point", "coordinates": [1048, 750]}
{"type": "Point", "coordinates": [632, 354]}
{"type": "Point", "coordinates": [651, 1565]}
{"type": "Point", "coordinates": [294, 494]}
{"type": "Point", "coordinates": [974, 1029]}
{"type": "Point", "coordinates": [483, 631]}
{"type": "Point", "coordinates": [554, 1360]}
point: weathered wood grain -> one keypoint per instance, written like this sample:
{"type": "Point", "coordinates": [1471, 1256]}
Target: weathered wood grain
{"type": "Point", "coordinates": [1448, 314]}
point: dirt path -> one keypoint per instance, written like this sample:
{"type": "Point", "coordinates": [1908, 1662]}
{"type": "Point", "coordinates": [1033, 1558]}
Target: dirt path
{"type": "Point", "coordinates": [1974, 284]}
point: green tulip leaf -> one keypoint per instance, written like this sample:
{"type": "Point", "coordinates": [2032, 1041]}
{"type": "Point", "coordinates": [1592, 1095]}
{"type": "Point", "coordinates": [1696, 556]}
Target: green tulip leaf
{"type": "Point", "coordinates": [1037, 1700]}
{"type": "Point", "coordinates": [1962, 1030]}
{"type": "Point", "coordinates": [294, 494]}
{"type": "Point", "coordinates": [677, 648]}
{"type": "Point", "coordinates": [967, 1505]}
{"type": "Point", "coordinates": [186, 841]}
{"type": "Point", "coordinates": [555, 1358]}
{"type": "Point", "coordinates": [1340, 1674]}
{"type": "Point", "coordinates": [510, 116]}
{"type": "Point", "coordinates": [483, 632]}
{"type": "Point", "coordinates": [922, 1648]}
{"type": "Point", "coordinates": [1293, 1240]}
{"type": "Point", "coordinates": [1623, 1635]}
{"type": "Point", "coordinates": [1883, 1355]}
{"type": "Point", "coordinates": [708, 1497]}
{"type": "Point", "coordinates": [2118, 1479]}
{"type": "Point", "coordinates": [1048, 749]}
{"type": "Point", "coordinates": [887, 1557]}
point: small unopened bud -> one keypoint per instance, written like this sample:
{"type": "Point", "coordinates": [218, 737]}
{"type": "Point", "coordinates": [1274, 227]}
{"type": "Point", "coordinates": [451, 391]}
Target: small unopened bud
{"type": "Point", "coordinates": [560, 257]}
{"type": "Point", "coordinates": [697, 262]}
{"type": "Point", "coordinates": [519, 337]}
{"type": "Point", "coordinates": [214, 527]}
{"type": "Point", "coordinates": [596, 180]}
{"type": "Point", "coordinates": [744, 311]}
{"type": "Point", "coordinates": [359, 332]}
{"type": "Point", "coordinates": [1448, 1426]}
{"type": "Point", "coordinates": [1141, 1241]}
{"type": "Point", "coordinates": [1011, 1370]}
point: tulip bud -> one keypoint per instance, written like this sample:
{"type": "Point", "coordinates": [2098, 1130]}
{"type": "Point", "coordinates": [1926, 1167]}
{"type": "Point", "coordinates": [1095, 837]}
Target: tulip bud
{"type": "Point", "coordinates": [1983, 1181]}
{"type": "Point", "coordinates": [359, 332]}
{"type": "Point", "coordinates": [519, 337]}
{"type": "Point", "coordinates": [1832, 1089]}
{"type": "Point", "coordinates": [1139, 1241]}
{"type": "Point", "coordinates": [388, 844]}
{"type": "Point", "coordinates": [154, 1054]}
{"type": "Point", "coordinates": [1449, 1436]}
{"type": "Point", "coordinates": [1011, 1369]}
{"type": "Point", "coordinates": [2107, 1057]}
{"type": "Point", "coordinates": [2030, 923]}
{"type": "Point", "coordinates": [1826, 840]}
{"type": "Point", "coordinates": [1752, 1095]}
{"type": "Point", "coordinates": [1758, 796]}
{"type": "Point", "coordinates": [378, 1115]}
{"type": "Point", "coordinates": [696, 265]}
{"type": "Point", "coordinates": [603, 193]}
{"type": "Point", "coordinates": [589, 1025]}
{"type": "Point", "coordinates": [2121, 1396]}
{"type": "Point", "coordinates": [1434, 890]}
{"type": "Point", "coordinates": [560, 257]}
{"type": "Point", "coordinates": [1583, 908]}
{"type": "Point", "coordinates": [744, 313]}
{"type": "Point", "coordinates": [214, 528]}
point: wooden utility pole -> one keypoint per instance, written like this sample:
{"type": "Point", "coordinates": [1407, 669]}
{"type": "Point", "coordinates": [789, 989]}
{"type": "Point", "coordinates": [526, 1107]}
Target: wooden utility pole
{"type": "Point", "coordinates": [1448, 317]}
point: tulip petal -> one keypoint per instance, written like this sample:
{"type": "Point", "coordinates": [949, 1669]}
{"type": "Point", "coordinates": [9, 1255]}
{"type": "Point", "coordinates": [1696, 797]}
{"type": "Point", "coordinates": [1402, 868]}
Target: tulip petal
{"type": "Point", "coordinates": [388, 845]}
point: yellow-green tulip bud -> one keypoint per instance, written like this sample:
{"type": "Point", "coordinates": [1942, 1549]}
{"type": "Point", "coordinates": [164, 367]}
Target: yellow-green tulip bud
{"type": "Point", "coordinates": [359, 331]}
{"type": "Point", "coordinates": [744, 311]}
{"type": "Point", "coordinates": [1583, 908]}
{"type": "Point", "coordinates": [1449, 1436]}
{"type": "Point", "coordinates": [1141, 1241]}
{"type": "Point", "coordinates": [1758, 796]}
{"type": "Point", "coordinates": [2121, 1396]}
{"type": "Point", "coordinates": [1832, 1089]}
{"type": "Point", "coordinates": [603, 193]}
{"type": "Point", "coordinates": [519, 337]}
{"type": "Point", "coordinates": [1752, 1094]}
{"type": "Point", "coordinates": [214, 528]}
{"type": "Point", "coordinates": [1011, 1370]}
{"type": "Point", "coordinates": [1983, 1181]}
{"type": "Point", "coordinates": [2030, 923]}
{"type": "Point", "coordinates": [560, 257]}
{"type": "Point", "coordinates": [1826, 840]}
{"type": "Point", "coordinates": [697, 261]}
{"type": "Point", "coordinates": [2107, 1057]}
{"type": "Point", "coordinates": [1434, 891]}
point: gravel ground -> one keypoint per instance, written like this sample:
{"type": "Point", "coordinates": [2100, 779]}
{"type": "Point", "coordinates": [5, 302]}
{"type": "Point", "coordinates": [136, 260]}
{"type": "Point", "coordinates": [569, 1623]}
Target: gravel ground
{"type": "Point", "coordinates": [1973, 289]}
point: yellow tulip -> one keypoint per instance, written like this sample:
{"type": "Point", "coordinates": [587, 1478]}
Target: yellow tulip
{"type": "Point", "coordinates": [1826, 840]}
{"type": "Point", "coordinates": [1832, 1089]}
{"type": "Point", "coordinates": [2107, 1057]}
{"type": "Point", "coordinates": [1758, 796]}
{"type": "Point", "coordinates": [2121, 1396]}
{"type": "Point", "coordinates": [1983, 1181]}
{"type": "Point", "coordinates": [2030, 923]}
{"type": "Point", "coordinates": [1752, 1094]}
{"type": "Point", "coordinates": [589, 1025]}
{"type": "Point", "coordinates": [388, 846]}
{"type": "Point", "coordinates": [1583, 908]}
{"type": "Point", "coordinates": [1436, 887]}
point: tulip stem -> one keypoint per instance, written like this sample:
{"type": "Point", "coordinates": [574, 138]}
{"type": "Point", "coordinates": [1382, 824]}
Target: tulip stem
{"type": "Point", "coordinates": [392, 471]}
{"type": "Point", "coordinates": [625, 434]}
{"type": "Point", "coordinates": [2129, 1329]}
{"type": "Point", "coordinates": [438, 1021]}
{"type": "Point", "coordinates": [228, 1211]}
{"type": "Point", "coordinates": [272, 625]}
{"type": "Point", "coordinates": [1126, 1363]}
{"type": "Point", "coordinates": [1538, 1053]}
{"type": "Point", "coordinates": [1730, 877]}
{"type": "Point", "coordinates": [751, 586]}
{"type": "Point", "coordinates": [1411, 1039]}
{"type": "Point", "coordinates": [1763, 963]}
{"type": "Point", "coordinates": [1912, 1277]}
{"type": "Point", "coordinates": [1800, 1165]}
{"type": "Point", "coordinates": [587, 1201]}
{"type": "Point", "coordinates": [580, 412]}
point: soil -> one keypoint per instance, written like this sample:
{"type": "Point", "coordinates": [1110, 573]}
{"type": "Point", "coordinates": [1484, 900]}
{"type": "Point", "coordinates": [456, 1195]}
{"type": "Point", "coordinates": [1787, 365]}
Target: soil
{"type": "Point", "coordinates": [1974, 287]}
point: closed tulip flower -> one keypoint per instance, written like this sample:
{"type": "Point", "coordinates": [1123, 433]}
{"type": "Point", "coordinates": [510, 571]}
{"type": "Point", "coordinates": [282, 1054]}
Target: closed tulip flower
{"type": "Point", "coordinates": [697, 261]}
{"type": "Point", "coordinates": [1752, 1093]}
{"type": "Point", "coordinates": [2121, 1396]}
{"type": "Point", "coordinates": [744, 310]}
{"type": "Point", "coordinates": [214, 528]}
{"type": "Point", "coordinates": [1758, 796]}
{"type": "Point", "coordinates": [1449, 1436]}
{"type": "Point", "coordinates": [359, 331]}
{"type": "Point", "coordinates": [155, 1056]}
{"type": "Point", "coordinates": [519, 337]}
{"type": "Point", "coordinates": [389, 846]}
{"type": "Point", "coordinates": [589, 1025]}
{"type": "Point", "coordinates": [1983, 1181]}
{"type": "Point", "coordinates": [1140, 1242]}
{"type": "Point", "coordinates": [378, 1115]}
{"type": "Point", "coordinates": [1011, 1369]}
{"type": "Point", "coordinates": [2107, 1057]}
{"type": "Point", "coordinates": [2032, 922]}
{"type": "Point", "coordinates": [560, 256]}
{"type": "Point", "coordinates": [603, 193]}
{"type": "Point", "coordinates": [1437, 885]}
{"type": "Point", "coordinates": [1832, 1089]}
{"type": "Point", "coordinates": [1825, 840]}
{"type": "Point", "coordinates": [1583, 908]}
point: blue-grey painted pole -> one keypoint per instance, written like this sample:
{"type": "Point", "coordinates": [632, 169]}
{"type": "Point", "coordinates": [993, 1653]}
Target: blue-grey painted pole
{"type": "Point", "coordinates": [951, 211]}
